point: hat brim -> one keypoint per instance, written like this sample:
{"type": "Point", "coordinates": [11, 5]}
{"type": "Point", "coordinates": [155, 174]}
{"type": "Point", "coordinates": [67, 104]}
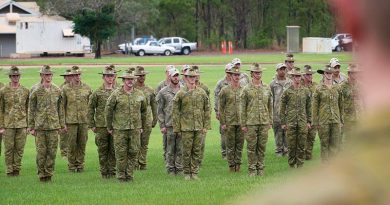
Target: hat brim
{"type": "Point", "coordinates": [144, 73]}
{"type": "Point", "coordinates": [259, 71]}
{"type": "Point", "coordinates": [309, 73]}
{"type": "Point", "coordinates": [323, 72]}
{"type": "Point", "coordinates": [232, 72]}
{"type": "Point", "coordinates": [194, 75]}
{"type": "Point", "coordinates": [128, 77]}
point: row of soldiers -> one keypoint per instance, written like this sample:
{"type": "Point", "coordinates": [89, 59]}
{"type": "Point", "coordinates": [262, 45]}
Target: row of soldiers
{"type": "Point", "coordinates": [122, 118]}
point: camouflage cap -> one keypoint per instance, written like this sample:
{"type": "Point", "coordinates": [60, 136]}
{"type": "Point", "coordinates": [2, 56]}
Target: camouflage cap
{"type": "Point", "coordinates": [129, 74]}
{"type": "Point", "coordinates": [289, 57]}
{"type": "Point", "coordinates": [173, 72]}
{"type": "Point", "coordinates": [333, 64]}
{"type": "Point", "coordinates": [169, 67]}
{"type": "Point", "coordinates": [255, 67]}
{"type": "Point", "coordinates": [46, 69]}
{"type": "Point", "coordinates": [333, 59]}
{"type": "Point", "coordinates": [67, 72]}
{"type": "Point", "coordinates": [190, 72]}
{"type": "Point", "coordinates": [280, 65]}
{"type": "Point", "coordinates": [353, 68]}
{"type": "Point", "coordinates": [308, 70]}
{"type": "Point", "coordinates": [109, 70]}
{"type": "Point", "coordinates": [296, 71]}
{"type": "Point", "coordinates": [236, 61]}
{"type": "Point", "coordinates": [76, 70]}
{"type": "Point", "coordinates": [326, 69]}
{"type": "Point", "coordinates": [139, 70]}
{"type": "Point", "coordinates": [14, 71]}
{"type": "Point", "coordinates": [234, 70]}
{"type": "Point", "coordinates": [185, 68]}
{"type": "Point", "coordinates": [228, 67]}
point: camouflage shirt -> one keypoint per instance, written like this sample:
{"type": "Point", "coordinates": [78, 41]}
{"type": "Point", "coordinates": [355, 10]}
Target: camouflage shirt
{"type": "Point", "coordinates": [277, 89]}
{"type": "Point", "coordinates": [96, 105]}
{"type": "Point", "coordinates": [191, 110]}
{"type": "Point", "coordinates": [312, 87]}
{"type": "Point", "coordinates": [220, 84]}
{"type": "Point", "coordinates": [161, 85]}
{"type": "Point", "coordinates": [295, 108]}
{"type": "Point", "coordinates": [256, 105]}
{"type": "Point", "coordinates": [352, 102]}
{"type": "Point", "coordinates": [229, 105]}
{"type": "Point", "coordinates": [164, 106]}
{"type": "Point", "coordinates": [13, 107]}
{"type": "Point", "coordinates": [45, 109]}
{"type": "Point", "coordinates": [205, 88]}
{"type": "Point", "coordinates": [150, 96]}
{"type": "Point", "coordinates": [76, 103]}
{"type": "Point", "coordinates": [327, 105]}
{"type": "Point", "coordinates": [343, 78]}
{"type": "Point", "coordinates": [126, 111]}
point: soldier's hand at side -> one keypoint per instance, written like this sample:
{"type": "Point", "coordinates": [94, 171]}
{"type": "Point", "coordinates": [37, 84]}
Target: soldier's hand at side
{"type": "Point", "coordinates": [217, 115]}
{"type": "Point", "coordinates": [223, 127]}
{"type": "Point", "coordinates": [32, 132]}
{"type": "Point", "coordinates": [2, 130]}
{"type": "Point", "coordinates": [204, 130]}
{"type": "Point", "coordinates": [284, 127]}
{"type": "Point", "coordinates": [308, 125]}
{"type": "Point", "coordinates": [141, 130]}
{"type": "Point", "coordinates": [269, 126]}
{"type": "Point", "coordinates": [93, 129]}
{"type": "Point", "coordinates": [110, 131]}
{"type": "Point", "coordinates": [244, 129]}
{"type": "Point", "coordinates": [163, 130]}
{"type": "Point", "coordinates": [65, 130]}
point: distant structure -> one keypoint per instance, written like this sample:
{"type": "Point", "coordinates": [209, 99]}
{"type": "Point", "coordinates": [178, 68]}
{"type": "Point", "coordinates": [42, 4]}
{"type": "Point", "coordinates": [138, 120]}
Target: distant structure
{"type": "Point", "coordinates": [26, 32]}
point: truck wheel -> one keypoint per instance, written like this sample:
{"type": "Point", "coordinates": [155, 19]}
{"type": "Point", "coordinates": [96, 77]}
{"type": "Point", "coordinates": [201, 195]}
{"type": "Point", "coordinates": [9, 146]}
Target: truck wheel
{"type": "Point", "coordinates": [167, 53]}
{"type": "Point", "coordinates": [186, 51]}
{"type": "Point", "coordinates": [141, 52]}
{"type": "Point", "coordinates": [338, 48]}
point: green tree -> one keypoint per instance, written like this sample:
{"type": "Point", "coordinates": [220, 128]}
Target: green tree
{"type": "Point", "coordinates": [97, 24]}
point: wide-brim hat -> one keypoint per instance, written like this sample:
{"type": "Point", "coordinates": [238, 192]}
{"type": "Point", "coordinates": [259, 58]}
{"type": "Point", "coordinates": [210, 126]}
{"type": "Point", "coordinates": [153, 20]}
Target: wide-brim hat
{"type": "Point", "coordinates": [76, 70]}
{"type": "Point", "coordinates": [46, 69]}
{"type": "Point", "coordinates": [255, 67]}
{"type": "Point", "coordinates": [190, 72]}
{"type": "Point", "coordinates": [289, 57]}
{"type": "Point", "coordinates": [353, 68]}
{"type": "Point", "coordinates": [139, 70]}
{"type": "Point", "coordinates": [109, 70]}
{"type": "Point", "coordinates": [196, 68]}
{"type": "Point", "coordinates": [14, 71]}
{"type": "Point", "coordinates": [327, 69]}
{"type": "Point", "coordinates": [67, 72]}
{"type": "Point", "coordinates": [234, 70]}
{"type": "Point", "coordinates": [236, 61]}
{"type": "Point", "coordinates": [129, 74]}
{"type": "Point", "coordinates": [295, 72]}
{"type": "Point", "coordinates": [308, 70]}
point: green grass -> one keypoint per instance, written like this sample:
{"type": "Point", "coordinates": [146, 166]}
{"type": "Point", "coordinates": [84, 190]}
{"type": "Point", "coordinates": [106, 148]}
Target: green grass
{"type": "Point", "coordinates": [154, 186]}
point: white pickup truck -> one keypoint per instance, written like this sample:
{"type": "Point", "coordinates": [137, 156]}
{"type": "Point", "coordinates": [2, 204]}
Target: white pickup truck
{"type": "Point", "coordinates": [181, 45]}
{"type": "Point", "coordinates": [151, 48]}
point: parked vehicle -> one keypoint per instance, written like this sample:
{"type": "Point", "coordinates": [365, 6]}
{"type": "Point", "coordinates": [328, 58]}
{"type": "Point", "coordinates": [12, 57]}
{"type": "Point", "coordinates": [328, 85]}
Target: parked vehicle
{"type": "Point", "coordinates": [138, 41]}
{"type": "Point", "coordinates": [151, 48]}
{"type": "Point", "coordinates": [341, 41]}
{"type": "Point", "coordinates": [181, 45]}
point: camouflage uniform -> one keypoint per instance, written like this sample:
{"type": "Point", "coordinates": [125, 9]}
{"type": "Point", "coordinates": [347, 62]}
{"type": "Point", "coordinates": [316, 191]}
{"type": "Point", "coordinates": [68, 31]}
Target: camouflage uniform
{"type": "Point", "coordinates": [256, 114]}
{"type": "Point", "coordinates": [221, 84]}
{"type": "Point", "coordinates": [126, 114]}
{"type": "Point", "coordinates": [174, 144]}
{"type": "Point", "coordinates": [311, 132]}
{"type": "Point", "coordinates": [63, 136]}
{"type": "Point", "coordinates": [190, 115]}
{"type": "Point", "coordinates": [295, 112]}
{"type": "Point", "coordinates": [328, 115]}
{"type": "Point", "coordinates": [1, 136]}
{"type": "Point", "coordinates": [353, 106]}
{"type": "Point", "coordinates": [13, 118]}
{"type": "Point", "coordinates": [75, 99]}
{"type": "Point", "coordinates": [207, 90]}
{"type": "Point", "coordinates": [160, 86]}
{"type": "Point", "coordinates": [277, 89]}
{"type": "Point", "coordinates": [46, 116]}
{"type": "Point", "coordinates": [103, 140]}
{"type": "Point", "coordinates": [229, 105]}
{"type": "Point", "coordinates": [150, 123]}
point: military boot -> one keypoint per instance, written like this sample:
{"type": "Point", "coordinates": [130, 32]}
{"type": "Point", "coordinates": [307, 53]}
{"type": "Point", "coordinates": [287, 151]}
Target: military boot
{"type": "Point", "coordinates": [237, 168]}
{"type": "Point", "coordinates": [260, 172]}
{"type": "Point", "coordinates": [232, 169]}
{"type": "Point", "coordinates": [187, 177]}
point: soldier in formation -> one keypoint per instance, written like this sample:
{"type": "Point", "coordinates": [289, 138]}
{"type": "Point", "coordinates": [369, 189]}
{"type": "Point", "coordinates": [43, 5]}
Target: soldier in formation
{"type": "Point", "coordinates": [63, 135]}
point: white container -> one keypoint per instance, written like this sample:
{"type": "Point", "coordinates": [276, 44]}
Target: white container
{"type": "Point", "coordinates": [316, 45]}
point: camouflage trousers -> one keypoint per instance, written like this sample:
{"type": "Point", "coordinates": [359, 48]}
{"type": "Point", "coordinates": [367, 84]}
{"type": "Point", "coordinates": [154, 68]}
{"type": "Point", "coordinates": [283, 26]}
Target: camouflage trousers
{"type": "Point", "coordinates": [192, 143]}
{"type": "Point", "coordinates": [256, 138]}
{"type": "Point", "coordinates": [14, 141]}
{"type": "Point", "coordinates": [174, 149]}
{"type": "Point", "coordinates": [330, 140]}
{"type": "Point", "coordinates": [126, 143]}
{"type": "Point", "coordinates": [296, 140]}
{"type": "Point", "coordinates": [64, 144]}
{"type": "Point", "coordinates": [311, 135]}
{"type": "Point", "coordinates": [346, 131]}
{"type": "Point", "coordinates": [234, 144]}
{"type": "Point", "coordinates": [46, 142]}
{"type": "Point", "coordinates": [203, 141]}
{"type": "Point", "coordinates": [165, 153]}
{"type": "Point", "coordinates": [280, 139]}
{"type": "Point", "coordinates": [77, 141]}
{"type": "Point", "coordinates": [105, 145]}
{"type": "Point", "coordinates": [143, 149]}
{"type": "Point", "coordinates": [223, 141]}
{"type": "Point", "coordinates": [1, 139]}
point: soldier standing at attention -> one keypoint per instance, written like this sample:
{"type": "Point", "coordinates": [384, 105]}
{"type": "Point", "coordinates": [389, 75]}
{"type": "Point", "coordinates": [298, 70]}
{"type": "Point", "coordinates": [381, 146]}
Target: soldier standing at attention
{"type": "Point", "coordinates": [295, 112]}
{"type": "Point", "coordinates": [278, 86]}
{"type": "Point", "coordinates": [13, 121]}
{"type": "Point", "coordinates": [126, 116]}
{"type": "Point", "coordinates": [45, 118]}
{"type": "Point", "coordinates": [352, 101]}
{"type": "Point", "coordinates": [338, 77]}
{"type": "Point", "coordinates": [328, 113]}
{"type": "Point", "coordinates": [184, 70]}
{"type": "Point", "coordinates": [97, 122]}
{"type": "Point", "coordinates": [160, 86]}
{"type": "Point", "coordinates": [244, 78]}
{"type": "Point", "coordinates": [191, 118]}
{"type": "Point", "coordinates": [256, 119]}
{"type": "Point", "coordinates": [151, 119]}
{"type": "Point", "coordinates": [164, 112]}
{"type": "Point", "coordinates": [207, 90]}
{"type": "Point", "coordinates": [220, 84]}
{"type": "Point", "coordinates": [76, 96]}
{"type": "Point", "coordinates": [312, 131]}
{"type": "Point", "coordinates": [229, 106]}
{"type": "Point", "coordinates": [289, 61]}
{"type": "Point", "coordinates": [63, 135]}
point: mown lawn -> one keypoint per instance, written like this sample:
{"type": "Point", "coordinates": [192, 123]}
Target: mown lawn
{"type": "Point", "coordinates": [154, 186]}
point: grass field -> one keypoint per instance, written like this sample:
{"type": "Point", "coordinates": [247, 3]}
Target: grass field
{"type": "Point", "coordinates": [154, 186]}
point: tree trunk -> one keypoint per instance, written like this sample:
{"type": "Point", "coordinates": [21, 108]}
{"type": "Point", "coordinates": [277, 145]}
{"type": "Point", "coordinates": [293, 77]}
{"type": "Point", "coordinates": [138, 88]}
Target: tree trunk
{"type": "Point", "coordinates": [98, 54]}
